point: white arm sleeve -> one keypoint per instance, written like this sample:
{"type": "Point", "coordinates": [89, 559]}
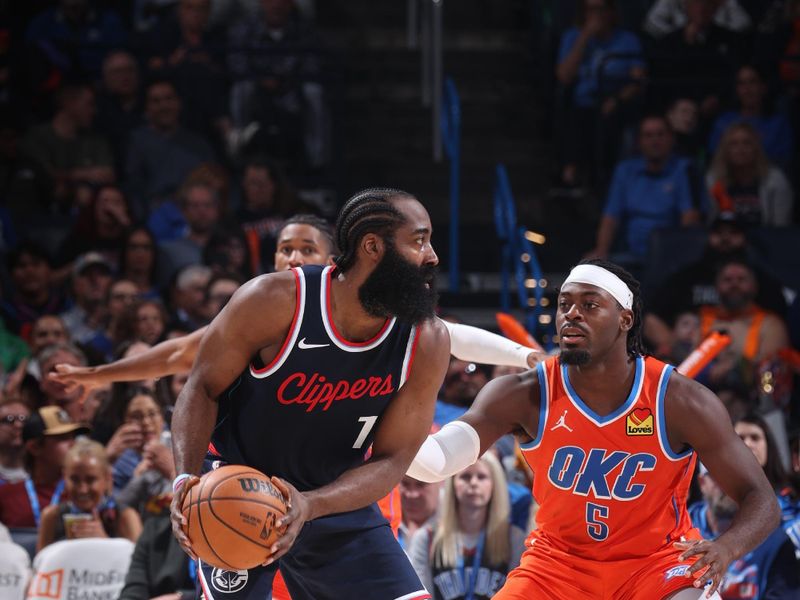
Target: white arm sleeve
{"type": "Point", "coordinates": [453, 448]}
{"type": "Point", "coordinates": [481, 346]}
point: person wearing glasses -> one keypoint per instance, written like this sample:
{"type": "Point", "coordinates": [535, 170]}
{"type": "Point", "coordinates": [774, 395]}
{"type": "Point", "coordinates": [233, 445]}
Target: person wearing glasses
{"type": "Point", "coordinates": [13, 415]}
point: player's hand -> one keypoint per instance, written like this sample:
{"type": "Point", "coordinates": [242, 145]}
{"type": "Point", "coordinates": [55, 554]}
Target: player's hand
{"type": "Point", "coordinates": [298, 511]}
{"type": "Point", "coordinates": [712, 565]}
{"type": "Point", "coordinates": [179, 522]}
{"type": "Point", "coordinates": [73, 377]}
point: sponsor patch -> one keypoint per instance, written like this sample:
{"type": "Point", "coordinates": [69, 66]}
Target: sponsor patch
{"type": "Point", "coordinates": [639, 422]}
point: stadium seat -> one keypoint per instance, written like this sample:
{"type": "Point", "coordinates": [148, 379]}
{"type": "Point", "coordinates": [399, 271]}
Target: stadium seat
{"type": "Point", "coordinates": [25, 537]}
{"type": "Point", "coordinates": [15, 571]}
{"type": "Point", "coordinates": [85, 568]}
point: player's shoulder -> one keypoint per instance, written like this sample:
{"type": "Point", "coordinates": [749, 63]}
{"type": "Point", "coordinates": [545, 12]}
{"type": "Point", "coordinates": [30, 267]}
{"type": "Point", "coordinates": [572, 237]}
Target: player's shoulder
{"type": "Point", "coordinates": [686, 397]}
{"type": "Point", "coordinates": [269, 287]}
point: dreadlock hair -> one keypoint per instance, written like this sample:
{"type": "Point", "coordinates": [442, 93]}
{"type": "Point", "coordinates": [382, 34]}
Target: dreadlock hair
{"type": "Point", "coordinates": [317, 223]}
{"type": "Point", "coordinates": [635, 342]}
{"type": "Point", "coordinates": [369, 211]}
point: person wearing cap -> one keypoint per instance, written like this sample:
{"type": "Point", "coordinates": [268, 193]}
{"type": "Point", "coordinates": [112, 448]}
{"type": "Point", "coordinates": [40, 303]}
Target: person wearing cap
{"type": "Point", "coordinates": [613, 436]}
{"type": "Point", "coordinates": [693, 285]}
{"type": "Point", "coordinates": [768, 571]}
{"type": "Point", "coordinates": [48, 434]}
{"type": "Point", "coordinates": [91, 277]}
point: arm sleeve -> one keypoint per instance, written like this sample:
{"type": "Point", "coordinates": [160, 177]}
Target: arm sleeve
{"type": "Point", "coordinates": [448, 451]}
{"type": "Point", "coordinates": [481, 346]}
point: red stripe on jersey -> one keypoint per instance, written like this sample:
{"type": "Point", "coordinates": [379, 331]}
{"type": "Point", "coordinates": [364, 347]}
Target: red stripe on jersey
{"type": "Point", "coordinates": [284, 347]}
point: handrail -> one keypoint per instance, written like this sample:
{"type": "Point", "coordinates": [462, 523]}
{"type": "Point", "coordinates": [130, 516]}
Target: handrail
{"type": "Point", "coordinates": [451, 135]}
{"type": "Point", "coordinates": [517, 253]}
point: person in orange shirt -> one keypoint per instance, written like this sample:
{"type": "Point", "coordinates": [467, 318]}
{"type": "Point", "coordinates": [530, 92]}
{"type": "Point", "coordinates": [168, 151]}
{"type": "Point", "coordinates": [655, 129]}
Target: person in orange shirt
{"type": "Point", "coordinates": [612, 436]}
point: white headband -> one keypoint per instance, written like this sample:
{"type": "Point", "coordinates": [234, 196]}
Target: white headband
{"type": "Point", "coordinates": [605, 280]}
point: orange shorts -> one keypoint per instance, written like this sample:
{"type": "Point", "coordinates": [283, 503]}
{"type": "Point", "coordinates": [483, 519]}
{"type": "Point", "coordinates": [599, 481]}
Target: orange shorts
{"type": "Point", "coordinates": [547, 573]}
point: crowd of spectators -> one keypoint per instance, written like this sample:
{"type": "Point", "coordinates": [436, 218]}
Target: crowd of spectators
{"type": "Point", "coordinates": [152, 158]}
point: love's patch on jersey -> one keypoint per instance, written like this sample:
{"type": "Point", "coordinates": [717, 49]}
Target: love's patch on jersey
{"type": "Point", "coordinates": [639, 422]}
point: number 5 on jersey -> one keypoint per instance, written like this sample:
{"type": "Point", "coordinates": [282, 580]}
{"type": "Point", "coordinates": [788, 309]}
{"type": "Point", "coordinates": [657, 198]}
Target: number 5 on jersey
{"type": "Point", "coordinates": [597, 529]}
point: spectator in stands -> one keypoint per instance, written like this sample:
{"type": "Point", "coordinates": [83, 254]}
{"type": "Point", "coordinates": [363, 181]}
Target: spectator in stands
{"type": "Point", "coordinates": [13, 415]}
{"type": "Point", "coordinates": [183, 48]}
{"type": "Point", "coordinates": [74, 37]}
{"type": "Point", "coordinates": [119, 103]}
{"type": "Point", "coordinates": [683, 116]}
{"type": "Point", "coordinates": [770, 569]}
{"type": "Point", "coordinates": [122, 294]}
{"type": "Point", "coordinates": [277, 103]}
{"type": "Point", "coordinates": [267, 201]}
{"type": "Point", "coordinates": [742, 180]}
{"type": "Point", "coordinates": [87, 484]}
{"type": "Point", "coordinates": [162, 153]}
{"type": "Point", "coordinates": [419, 501]}
{"type": "Point", "coordinates": [159, 569]}
{"type": "Point", "coordinates": [48, 435]}
{"type": "Point", "coordinates": [91, 277]}
{"type": "Point", "coordinates": [227, 251]}
{"type": "Point", "coordinates": [138, 261]}
{"type": "Point", "coordinates": [698, 60]}
{"type": "Point", "coordinates": [200, 207]}
{"type": "Point", "coordinates": [693, 286]}
{"type": "Point", "coordinates": [188, 296]}
{"type": "Point", "coordinates": [755, 334]}
{"type": "Point", "coordinates": [472, 529]}
{"type": "Point", "coordinates": [685, 337]}
{"type": "Point", "coordinates": [756, 435]}
{"type": "Point", "coordinates": [13, 351]}
{"type": "Point", "coordinates": [101, 226]}
{"type": "Point", "coordinates": [66, 151]}
{"type": "Point", "coordinates": [219, 290]}
{"type": "Point", "coordinates": [54, 393]}
{"type": "Point", "coordinates": [144, 321]}
{"type": "Point", "coordinates": [774, 129]}
{"type": "Point", "coordinates": [462, 383]}
{"type": "Point", "coordinates": [658, 176]}
{"type": "Point", "coordinates": [47, 330]}
{"type": "Point", "coordinates": [667, 16]}
{"type": "Point", "coordinates": [32, 295]}
{"type": "Point", "coordinates": [153, 454]}
{"type": "Point", "coordinates": [582, 52]}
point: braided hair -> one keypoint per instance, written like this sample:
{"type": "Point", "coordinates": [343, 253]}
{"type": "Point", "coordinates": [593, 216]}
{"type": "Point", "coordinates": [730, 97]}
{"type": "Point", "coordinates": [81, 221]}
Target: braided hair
{"type": "Point", "coordinates": [369, 211]}
{"type": "Point", "coordinates": [635, 342]}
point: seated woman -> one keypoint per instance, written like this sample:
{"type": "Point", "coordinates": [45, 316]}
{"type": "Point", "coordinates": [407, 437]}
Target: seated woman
{"type": "Point", "coordinates": [473, 530]}
{"type": "Point", "coordinates": [90, 510]}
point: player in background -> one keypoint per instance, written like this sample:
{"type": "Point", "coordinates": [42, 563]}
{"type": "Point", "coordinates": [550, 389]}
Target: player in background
{"type": "Point", "coordinates": [613, 436]}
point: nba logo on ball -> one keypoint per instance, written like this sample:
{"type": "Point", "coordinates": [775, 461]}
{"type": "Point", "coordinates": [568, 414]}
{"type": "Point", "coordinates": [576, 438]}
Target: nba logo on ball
{"type": "Point", "coordinates": [228, 582]}
{"type": "Point", "coordinates": [639, 422]}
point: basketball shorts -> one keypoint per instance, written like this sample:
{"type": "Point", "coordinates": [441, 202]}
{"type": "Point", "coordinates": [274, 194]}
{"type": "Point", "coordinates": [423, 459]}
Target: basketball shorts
{"type": "Point", "coordinates": [548, 573]}
{"type": "Point", "coordinates": [349, 555]}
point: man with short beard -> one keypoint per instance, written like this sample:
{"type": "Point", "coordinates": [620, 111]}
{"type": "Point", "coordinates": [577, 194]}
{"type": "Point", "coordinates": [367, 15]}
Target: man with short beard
{"type": "Point", "coordinates": [756, 334]}
{"type": "Point", "coordinates": [769, 571]}
{"type": "Point", "coordinates": [320, 364]}
{"type": "Point", "coordinates": [613, 436]}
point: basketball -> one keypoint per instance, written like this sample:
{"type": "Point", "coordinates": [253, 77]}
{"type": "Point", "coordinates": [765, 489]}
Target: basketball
{"type": "Point", "coordinates": [231, 515]}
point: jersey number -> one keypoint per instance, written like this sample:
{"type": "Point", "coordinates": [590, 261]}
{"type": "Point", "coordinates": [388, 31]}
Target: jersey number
{"type": "Point", "coordinates": [369, 422]}
{"type": "Point", "coordinates": [597, 529]}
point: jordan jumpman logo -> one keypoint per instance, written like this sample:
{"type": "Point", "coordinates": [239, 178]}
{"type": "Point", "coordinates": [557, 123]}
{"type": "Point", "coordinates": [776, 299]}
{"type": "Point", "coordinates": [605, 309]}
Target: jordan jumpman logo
{"type": "Point", "coordinates": [562, 422]}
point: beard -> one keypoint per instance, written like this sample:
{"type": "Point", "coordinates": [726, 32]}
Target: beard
{"type": "Point", "coordinates": [575, 357]}
{"type": "Point", "coordinates": [735, 302]}
{"type": "Point", "coordinates": [399, 288]}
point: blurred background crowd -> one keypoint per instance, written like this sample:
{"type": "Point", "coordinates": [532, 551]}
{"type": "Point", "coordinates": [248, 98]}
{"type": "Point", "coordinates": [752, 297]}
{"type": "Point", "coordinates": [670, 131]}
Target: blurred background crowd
{"type": "Point", "coordinates": [154, 150]}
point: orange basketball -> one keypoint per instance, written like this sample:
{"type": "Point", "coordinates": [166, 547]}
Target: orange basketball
{"type": "Point", "coordinates": [231, 516]}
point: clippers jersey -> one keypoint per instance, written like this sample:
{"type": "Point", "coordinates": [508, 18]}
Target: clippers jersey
{"type": "Point", "coordinates": [311, 413]}
{"type": "Point", "coordinates": [609, 487]}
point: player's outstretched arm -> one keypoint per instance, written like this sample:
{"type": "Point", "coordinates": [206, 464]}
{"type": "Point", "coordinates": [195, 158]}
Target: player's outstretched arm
{"type": "Point", "coordinates": [478, 345]}
{"type": "Point", "coordinates": [696, 417]}
{"type": "Point", "coordinates": [242, 329]}
{"type": "Point", "coordinates": [167, 358]}
{"type": "Point", "coordinates": [508, 404]}
{"type": "Point", "coordinates": [399, 433]}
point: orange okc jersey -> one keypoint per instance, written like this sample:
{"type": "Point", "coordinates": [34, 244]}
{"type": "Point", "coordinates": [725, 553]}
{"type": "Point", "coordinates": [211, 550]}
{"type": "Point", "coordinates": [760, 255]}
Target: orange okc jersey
{"type": "Point", "coordinates": [609, 487]}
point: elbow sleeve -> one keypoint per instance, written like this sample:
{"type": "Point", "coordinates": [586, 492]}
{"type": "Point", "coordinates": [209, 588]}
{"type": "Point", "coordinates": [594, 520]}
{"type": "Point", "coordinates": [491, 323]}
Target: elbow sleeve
{"type": "Point", "coordinates": [450, 450]}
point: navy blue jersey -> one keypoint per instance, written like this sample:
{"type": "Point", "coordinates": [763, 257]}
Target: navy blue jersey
{"type": "Point", "coordinates": [311, 413]}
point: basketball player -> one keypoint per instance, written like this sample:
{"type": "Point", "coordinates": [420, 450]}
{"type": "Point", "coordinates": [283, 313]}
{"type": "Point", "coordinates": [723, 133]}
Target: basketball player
{"type": "Point", "coordinates": [319, 364]}
{"type": "Point", "coordinates": [613, 437]}
{"type": "Point", "coordinates": [303, 240]}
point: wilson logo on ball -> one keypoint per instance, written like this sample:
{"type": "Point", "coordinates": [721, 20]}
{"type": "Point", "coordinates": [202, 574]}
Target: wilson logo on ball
{"type": "Point", "coordinates": [253, 485]}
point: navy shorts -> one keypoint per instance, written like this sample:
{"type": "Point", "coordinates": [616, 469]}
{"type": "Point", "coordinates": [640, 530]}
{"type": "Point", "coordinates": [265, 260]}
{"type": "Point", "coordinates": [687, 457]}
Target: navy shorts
{"type": "Point", "coordinates": [349, 555]}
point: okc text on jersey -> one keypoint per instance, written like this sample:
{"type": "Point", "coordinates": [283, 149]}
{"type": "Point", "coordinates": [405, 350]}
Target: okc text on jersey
{"type": "Point", "coordinates": [575, 470]}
